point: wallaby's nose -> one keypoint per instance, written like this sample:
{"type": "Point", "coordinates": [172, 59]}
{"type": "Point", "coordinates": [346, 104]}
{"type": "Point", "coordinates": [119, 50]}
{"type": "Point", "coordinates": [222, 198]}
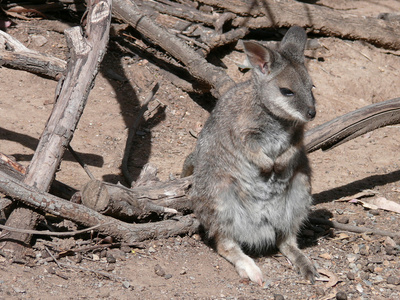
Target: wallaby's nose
{"type": "Point", "coordinates": [311, 113]}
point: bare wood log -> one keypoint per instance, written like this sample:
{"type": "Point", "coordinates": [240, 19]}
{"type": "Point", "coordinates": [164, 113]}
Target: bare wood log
{"type": "Point", "coordinates": [319, 20]}
{"type": "Point", "coordinates": [138, 203]}
{"type": "Point", "coordinates": [87, 52]}
{"type": "Point", "coordinates": [129, 233]}
{"type": "Point", "coordinates": [21, 58]}
{"type": "Point", "coordinates": [197, 65]}
{"type": "Point", "coordinates": [352, 125]}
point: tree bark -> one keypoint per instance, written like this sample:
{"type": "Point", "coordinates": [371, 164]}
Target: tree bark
{"type": "Point", "coordinates": [87, 51]}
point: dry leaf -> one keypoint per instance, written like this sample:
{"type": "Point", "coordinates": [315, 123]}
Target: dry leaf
{"type": "Point", "coordinates": [385, 204]}
{"type": "Point", "coordinates": [325, 256]}
{"type": "Point", "coordinates": [363, 194]}
{"type": "Point", "coordinates": [328, 276]}
{"type": "Point", "coordinates": [341, 236]}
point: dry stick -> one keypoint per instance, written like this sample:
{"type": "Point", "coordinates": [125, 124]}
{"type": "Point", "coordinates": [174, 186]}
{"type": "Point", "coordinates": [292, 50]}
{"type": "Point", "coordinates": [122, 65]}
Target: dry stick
{"type": "Point", "coordinates": [132, 132]}
{"type": "Point", "coordinates": [26, 59]}
{"type": "Point", "coordinates": [197, 65]}
{"type": "Point", "coordinates": [46, 232]}
{"type": "Point", "coordinates": [353, 124]}
{"type": "Point", "coordinates": [318, 19]}
{"type": "Point", "coordinates": [129, 233]}
{"type": "Point", "coordinates": [52, 256]}
{"type": "Point", "coordinates": [105, 274]}
{"type": "Point", "coordinates": [352, 228]}
{"type": "Point", "coordinates": [81, 162]}
{"type": "Point", "coordinates": [87, 51]}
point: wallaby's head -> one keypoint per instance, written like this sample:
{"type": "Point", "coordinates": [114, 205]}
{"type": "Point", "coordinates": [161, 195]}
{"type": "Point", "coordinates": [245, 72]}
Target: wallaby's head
{"type": "Point", "coordinates": [282, 81]}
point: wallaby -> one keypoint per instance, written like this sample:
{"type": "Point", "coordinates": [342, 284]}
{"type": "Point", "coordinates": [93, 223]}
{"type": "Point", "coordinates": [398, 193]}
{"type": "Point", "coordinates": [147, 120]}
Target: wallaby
{"type": "Point", "coordinates": [251, 177]}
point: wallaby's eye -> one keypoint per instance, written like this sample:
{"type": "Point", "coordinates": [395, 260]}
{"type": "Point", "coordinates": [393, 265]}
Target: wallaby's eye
{"type": "Point", "coordinates": [286, 92]}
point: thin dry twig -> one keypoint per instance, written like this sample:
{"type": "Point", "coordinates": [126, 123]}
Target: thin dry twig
{"type": "Point", "coordinates": [81, 162]}
{"type": "Point", "coordinates": [46, 232]}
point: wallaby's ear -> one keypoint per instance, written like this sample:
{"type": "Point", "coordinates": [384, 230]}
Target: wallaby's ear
{"type": "Point", "coordinates": [259, 56]}
{"type": "Point", "coordinates": [294, 43]}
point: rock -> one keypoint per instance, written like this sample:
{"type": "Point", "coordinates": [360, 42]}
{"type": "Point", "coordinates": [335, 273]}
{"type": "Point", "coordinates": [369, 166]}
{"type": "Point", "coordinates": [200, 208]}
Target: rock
{"type": "Point", "coordinates": [159, 270]}
{"type": "Point", "coordinates": [374, 212]}
{"type": "Point", "coordinates": [364, 276]}
{"type": "Point", "coordinates": [278, 297]}
{"type": "Point", "coordinates": [111, 259]}
{"type": "Point", "coordinates": [351, 275]}
{"type": "Point", "coordinates": [126, 284]}
{"type": "Point", "coordinates": [341, 296]}
{"type": "Point", "coordinates": [38, 40]}
{"type": "Point", "coordinates": [168, 276]}
{"type": "Point", "coordinates": [390, 250]}
{"type": "Point", "coordinates": [343, 219]}
{"type": "Point", "coordinates": [393, 280]}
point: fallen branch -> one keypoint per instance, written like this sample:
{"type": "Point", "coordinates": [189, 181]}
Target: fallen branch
{"type": "Point", "coordinates": [352, 125]}
{"type": "Point", "coordinates": [15, 55]}
{"type": "Point", "coordinates": [351, 228]}
{"type": "Point", "coordinates": [87, 51]}
{"type": "Point", "coordinates": [129, 233]}
{"type": "Point", "coordinates": [318, 19]}
{"type": "Point", "coordinates": [198, 66]}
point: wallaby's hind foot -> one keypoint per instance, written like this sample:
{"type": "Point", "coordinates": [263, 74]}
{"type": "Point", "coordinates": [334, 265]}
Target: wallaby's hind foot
{"type": "Point", "coordinates": [245, 265]}
{"type": "Point", "coordinates": [290, 249]}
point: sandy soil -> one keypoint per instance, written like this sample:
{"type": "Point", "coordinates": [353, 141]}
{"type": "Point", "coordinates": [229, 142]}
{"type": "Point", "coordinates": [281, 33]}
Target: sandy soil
{"type": "Point", "coordinates": [347, 75]}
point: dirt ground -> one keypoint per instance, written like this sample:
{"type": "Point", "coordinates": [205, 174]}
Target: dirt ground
{"type": "Point", "coordinates": [347, 75]}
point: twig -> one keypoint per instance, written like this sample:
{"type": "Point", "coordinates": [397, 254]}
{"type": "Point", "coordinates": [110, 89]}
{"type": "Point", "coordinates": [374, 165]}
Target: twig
{"type": "Point", "coordinates": [52, 256]}
{"type": "Point", "coordinates": [80, 161]}
{"type": "Point", "coordinates": [46, 232]}
{"type": "Point", "coordinates": [132, 132]}
{"type": "Point", "coordinates": [105, 274]}
{"type": "Point", "coordinates": [352, 228]}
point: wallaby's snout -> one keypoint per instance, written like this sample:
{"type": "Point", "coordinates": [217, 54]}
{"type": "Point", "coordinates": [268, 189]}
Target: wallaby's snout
{"type": "Point", "coordinates": [311, 113]}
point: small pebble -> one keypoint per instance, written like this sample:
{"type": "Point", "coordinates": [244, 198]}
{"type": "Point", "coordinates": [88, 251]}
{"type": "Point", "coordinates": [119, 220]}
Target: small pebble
{"type": "Point", "coordinates": [319, 291]}
{"type": "Point", "coordinates": [343, 219]}
{"type": "Point", "coordinates": [111, 259]}
{"type": "Point", "coordinates": [126, 284]}
{"type": "Point", "coordinates": [168, 276]}
{"type": "Point", "coordinates": [393, 280]}
{"type": "Point", "coordinates": [351, 276]}
{"type": "Point", "coordinates": [390, 250]}
{"type": "Point", "coordinates": [278, 297]}
{"type": "Point", "coordinates": [159, 270]}
{"type": "Point", "coordinates": [341, 296]}
{"type": "Point", "coordinates": [152, 250]}
{"type": "Point", "coordinates": [364, 276]}
{"type": "Point", "coordinates": [374, 212]}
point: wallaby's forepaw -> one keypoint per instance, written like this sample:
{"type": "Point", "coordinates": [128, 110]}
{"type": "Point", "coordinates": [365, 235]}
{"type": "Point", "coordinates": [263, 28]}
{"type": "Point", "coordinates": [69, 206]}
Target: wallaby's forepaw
{"type": "Point", "coordinates": [248, 269]}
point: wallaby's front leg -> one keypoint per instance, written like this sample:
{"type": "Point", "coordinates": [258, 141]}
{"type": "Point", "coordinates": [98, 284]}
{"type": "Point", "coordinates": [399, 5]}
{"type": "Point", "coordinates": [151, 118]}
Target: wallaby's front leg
{"type": "Point", "coordinates": [289, 248]}
{"type": "Point", "coordinates": [254, 153]}
{"type": "Point", "coordinates": [245, 266]}
{"type": "Point", "coordinates": [283, 161]}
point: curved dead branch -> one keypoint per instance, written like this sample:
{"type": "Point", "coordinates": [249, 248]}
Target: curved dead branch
{"type": "Point", "coordinates": [352, 125]}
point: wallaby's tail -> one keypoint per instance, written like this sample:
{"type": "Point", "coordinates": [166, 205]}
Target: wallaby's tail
{"type": "Point", "coordinates": [188, 165]}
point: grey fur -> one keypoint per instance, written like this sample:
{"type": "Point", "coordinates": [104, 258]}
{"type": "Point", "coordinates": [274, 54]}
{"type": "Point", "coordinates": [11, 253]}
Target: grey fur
{"type": "Point", "coordinates": [251, 176]}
